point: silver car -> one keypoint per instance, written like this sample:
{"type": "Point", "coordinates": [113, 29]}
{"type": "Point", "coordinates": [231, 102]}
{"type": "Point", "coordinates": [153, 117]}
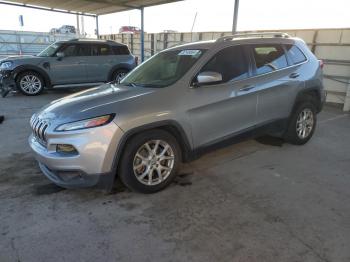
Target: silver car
{"type": "Point", "coordinates": [177, 105]}
{"type": "Point", "coordinates": [77, 62]}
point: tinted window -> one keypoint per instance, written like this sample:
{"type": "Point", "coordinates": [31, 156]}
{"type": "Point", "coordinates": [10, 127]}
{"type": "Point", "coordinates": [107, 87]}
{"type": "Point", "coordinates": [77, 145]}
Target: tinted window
{"type": "Point", "coordinates": [84, 50]}
{"type": "Point", "coordinates": [295, 54]}
{"type": "Point", "coordinates": [98, 50]}
{"type": "Point", "coordinates": [120, 50]}
{"type": "Point", "coordinates": [70, 50]}
{"type": "Point", "coordinates": [230, 63]}
{"type": "Point", "coordinates": [269, 58]}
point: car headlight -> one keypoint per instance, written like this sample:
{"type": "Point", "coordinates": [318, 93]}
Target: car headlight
{"type": "Point", "coordinates": [5, 65]}
{"type": "Point", "coordinates": [86, 123]}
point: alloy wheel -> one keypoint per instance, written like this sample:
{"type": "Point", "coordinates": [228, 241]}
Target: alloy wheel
{"type": "Point", "coordinates": [305, 123]}
{"type": "Point", "coordinates": [119, 76]}
{"type": "Point", "coordinates": [30, 84]}
{"type": "Point", "coordinates": [153, 162]}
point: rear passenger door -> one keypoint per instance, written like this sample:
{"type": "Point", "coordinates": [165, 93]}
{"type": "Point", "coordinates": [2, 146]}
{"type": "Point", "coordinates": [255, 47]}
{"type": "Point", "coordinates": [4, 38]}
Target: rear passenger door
{"type": "Point", "coordinates": [223, 109]}
{"type": "Point", "coordinates": [99, 63]}
{"type": "Point", "coordinates": [276, 82]}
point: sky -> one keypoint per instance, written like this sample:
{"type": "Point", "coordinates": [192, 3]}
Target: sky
{"type": "Point", "coordinates": [211, 16]}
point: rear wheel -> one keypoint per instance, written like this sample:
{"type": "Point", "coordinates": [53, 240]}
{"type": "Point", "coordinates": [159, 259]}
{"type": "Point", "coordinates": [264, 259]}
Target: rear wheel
{"type": "Point", "coordinates": [119, 74]}
{"type": "Point", "coordinates": [150, 161]}
{"type": "Point", "coordinates": [30, 83]}
{"type": "Point", "coordinates": [302, 123]}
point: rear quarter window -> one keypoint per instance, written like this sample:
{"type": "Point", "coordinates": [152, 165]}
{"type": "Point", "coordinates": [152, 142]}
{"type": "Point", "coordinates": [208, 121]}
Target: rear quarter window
{"type": "Point", "coordinates": [269, 58]}
{"type": "Point", "coordinates": [100, 50]}
{"type": "Point", "coordinates": [120, 50]}
{"type": "Point", "coordinates": [295, 54]}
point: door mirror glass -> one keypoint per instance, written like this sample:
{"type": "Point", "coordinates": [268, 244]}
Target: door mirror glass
{"type": "Point", "coordinates": [60, 54]}
{"type": "Point", "coordinates": [208, 77]}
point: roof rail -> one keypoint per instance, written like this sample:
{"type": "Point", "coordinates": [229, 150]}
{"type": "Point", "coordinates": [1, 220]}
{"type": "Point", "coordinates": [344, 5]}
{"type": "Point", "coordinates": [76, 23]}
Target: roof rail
{"type": "Point", "coordinates": [89, 39]}
{"type": "Point", "coordinates": [258, 35]}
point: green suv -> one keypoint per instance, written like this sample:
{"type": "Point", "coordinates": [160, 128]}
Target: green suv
{"type": "Point", "coordinates": [77, 62]}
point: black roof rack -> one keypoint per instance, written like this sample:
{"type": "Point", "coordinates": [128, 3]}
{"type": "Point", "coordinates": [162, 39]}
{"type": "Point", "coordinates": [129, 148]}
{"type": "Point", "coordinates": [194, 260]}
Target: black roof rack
{"type": "Point", "coordinates": [253, 35]}
{"type": "Point", "coordinates": [89, 39]}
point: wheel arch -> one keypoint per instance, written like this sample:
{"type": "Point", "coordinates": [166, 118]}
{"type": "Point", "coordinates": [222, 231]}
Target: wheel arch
{"type": "Point", "coordinates": [170, 126]}
{"type": "Point", "coordinates": [36, 69]}
{"type": "Point", "coordinates": [313, 93]}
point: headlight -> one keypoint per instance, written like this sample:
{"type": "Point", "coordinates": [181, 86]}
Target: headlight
{"type": "Point", "coordinates": [5, 65]}
{"type": "Point", "coordinates": [86, 123]}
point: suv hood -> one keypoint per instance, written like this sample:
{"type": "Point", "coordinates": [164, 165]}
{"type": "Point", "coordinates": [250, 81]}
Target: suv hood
{"type": "Point", "coordinates": [93, 102]}
{"type": "Point", "coordinates": [19, 57]}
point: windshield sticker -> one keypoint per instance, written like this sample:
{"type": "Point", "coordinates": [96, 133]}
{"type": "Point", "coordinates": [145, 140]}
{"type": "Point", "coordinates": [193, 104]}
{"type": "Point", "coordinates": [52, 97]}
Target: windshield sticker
{"type": "Point", "coordinates": [190, 52]}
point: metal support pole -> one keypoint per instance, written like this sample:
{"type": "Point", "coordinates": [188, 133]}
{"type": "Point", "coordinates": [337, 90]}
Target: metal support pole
{"type": "Point", "coordinates": [142, 35]}
{"type": "Point", "coordinates": [346, 107]}
{"type": "Point", "coordinates": [235, 17]}
{"type": "Point", "coordinates": [78, 26]}
{"type": "Point", "coordinates": [97, 31]}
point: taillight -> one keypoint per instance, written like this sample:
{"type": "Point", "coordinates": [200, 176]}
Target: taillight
{"type": "Point", "coordinates": [136, 60]}
{"type": "Point", "coordinates": [321, 63]}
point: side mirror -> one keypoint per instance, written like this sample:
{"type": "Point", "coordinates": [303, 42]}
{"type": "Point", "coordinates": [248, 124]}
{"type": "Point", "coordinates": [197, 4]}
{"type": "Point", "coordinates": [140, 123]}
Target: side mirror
{"type": "Point", "coordinates": [60, 55]}
{"type": "Point", "coordinates": [208, 77]}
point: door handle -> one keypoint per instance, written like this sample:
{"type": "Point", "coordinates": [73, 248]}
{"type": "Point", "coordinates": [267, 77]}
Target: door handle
{"type": "Point", "coordinates": [246, 88]}
{"type": "Point", "coordinates": [294, 75]}
{"type": "Point", "coordinates": [81, 62]}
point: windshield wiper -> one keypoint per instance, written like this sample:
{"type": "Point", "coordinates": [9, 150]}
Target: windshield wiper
{"type": "Point", "coordinates": [148, 85]}
{"type": "Point", "coordinates": [128, 84]}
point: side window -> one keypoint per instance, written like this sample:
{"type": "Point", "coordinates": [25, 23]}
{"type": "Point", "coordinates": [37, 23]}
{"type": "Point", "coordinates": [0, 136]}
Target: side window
{"type": "Point", "coordinates": [295, 54]}
{"type": "Point", "coordinates": [230, 63]}
{"type": "Point", "coordinates": [120, 50]}
{"type": "Point", "coordinates": [70, 50]}
{"type": "Point", "coordinates": [269, 58]}
{"type": "Point", "coordinates": [100, 50]}
{"type": "Point", "coordinates": [84, 50]}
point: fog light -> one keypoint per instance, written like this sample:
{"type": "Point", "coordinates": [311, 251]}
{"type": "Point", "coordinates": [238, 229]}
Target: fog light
{"type": "Point", "coordinates": [67, 149]}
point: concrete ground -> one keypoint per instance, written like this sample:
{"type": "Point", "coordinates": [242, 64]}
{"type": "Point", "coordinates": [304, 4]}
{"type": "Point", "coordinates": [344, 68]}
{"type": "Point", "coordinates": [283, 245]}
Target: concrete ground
{"type": "Point", "coordinates": [254, 201]}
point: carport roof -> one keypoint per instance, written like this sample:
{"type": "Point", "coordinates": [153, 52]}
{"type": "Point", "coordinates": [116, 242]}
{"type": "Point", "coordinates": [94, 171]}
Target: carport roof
{"type": "Point", "coordinates": [91, 7]}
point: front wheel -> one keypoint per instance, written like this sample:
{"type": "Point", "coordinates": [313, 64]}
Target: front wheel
{"type": "Point", "coordinates": [150, 161]}
{"type": "Point", "coordinates": [302, 123]}
{"type": "Point", "coordinates": [30, 83]}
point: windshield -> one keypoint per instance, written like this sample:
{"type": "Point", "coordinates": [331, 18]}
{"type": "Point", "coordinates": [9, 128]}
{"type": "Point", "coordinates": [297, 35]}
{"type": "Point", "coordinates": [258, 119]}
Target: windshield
{"type": "Point", "coordinates": [163, 69]}
{"type": "Point", "coordinates": [50, 50]}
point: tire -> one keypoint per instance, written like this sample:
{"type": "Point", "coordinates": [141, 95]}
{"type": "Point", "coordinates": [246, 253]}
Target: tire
{"type": "Point", "coordinates": [139, 171]}
{"type": "Point", "coordinates": [30, 83]}
{"type": "Point", "coordinates": [119, 74]}
{"type": "Point", "coordinates": [302, 123]}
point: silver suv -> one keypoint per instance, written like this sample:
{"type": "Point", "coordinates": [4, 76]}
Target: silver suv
{"type": "Point", "coordinates": [175, 106]}
{"type": "Point", "coordinates": [77, 62]}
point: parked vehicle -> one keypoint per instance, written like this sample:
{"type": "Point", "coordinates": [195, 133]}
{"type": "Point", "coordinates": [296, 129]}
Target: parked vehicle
{"type": "Point", "coordinates": [175, 106]}
{"type": "Point", "coordinates": [78, 62]}
{"type": "Point", "coordinates": [54, 31]}
{"type": "Point", "coordinates": [67, 29]}
{"type": "Point", "coordinates": [129, 30]}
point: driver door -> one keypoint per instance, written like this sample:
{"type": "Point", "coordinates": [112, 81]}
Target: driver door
{"type": "Point", "coordinates": [70, 69]}
{"type": "Point", "coordinates": [220, 110]}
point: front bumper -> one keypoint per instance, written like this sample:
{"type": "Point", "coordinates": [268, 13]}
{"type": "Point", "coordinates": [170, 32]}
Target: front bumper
{"type": "Point", "coordinates": [93, 162]}
{"type": "Point", "coordinates": [6, 79]}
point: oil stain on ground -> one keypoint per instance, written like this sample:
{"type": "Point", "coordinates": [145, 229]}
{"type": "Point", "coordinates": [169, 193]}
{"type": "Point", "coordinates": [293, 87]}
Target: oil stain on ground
{"type": "Point", "coordinates": [183, 179]}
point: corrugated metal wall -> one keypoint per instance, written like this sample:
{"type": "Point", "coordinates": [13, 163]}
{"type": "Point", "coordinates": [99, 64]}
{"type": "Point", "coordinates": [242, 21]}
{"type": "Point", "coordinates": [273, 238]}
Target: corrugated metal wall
{"type": "Point", "coordinates": [331, 45]}
{"type": "Point", "coordinates": [26, 43]}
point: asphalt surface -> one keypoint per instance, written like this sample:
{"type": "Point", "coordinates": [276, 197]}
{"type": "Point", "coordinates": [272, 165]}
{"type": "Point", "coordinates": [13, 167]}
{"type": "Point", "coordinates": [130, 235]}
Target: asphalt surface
{"type": "Point", "coordinates": [259, 200]}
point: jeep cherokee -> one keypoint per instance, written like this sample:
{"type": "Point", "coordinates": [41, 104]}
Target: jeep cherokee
{"type": "Point", "coordinates": [175, 106]}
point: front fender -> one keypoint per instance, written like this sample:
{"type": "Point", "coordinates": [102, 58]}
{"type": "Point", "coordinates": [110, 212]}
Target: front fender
{"type": "Point", "coordinates": [23, 68]}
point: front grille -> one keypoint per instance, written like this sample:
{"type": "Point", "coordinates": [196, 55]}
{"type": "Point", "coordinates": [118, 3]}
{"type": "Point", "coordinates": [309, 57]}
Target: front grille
{"type": "Point", "coordinates": [39, 127]}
